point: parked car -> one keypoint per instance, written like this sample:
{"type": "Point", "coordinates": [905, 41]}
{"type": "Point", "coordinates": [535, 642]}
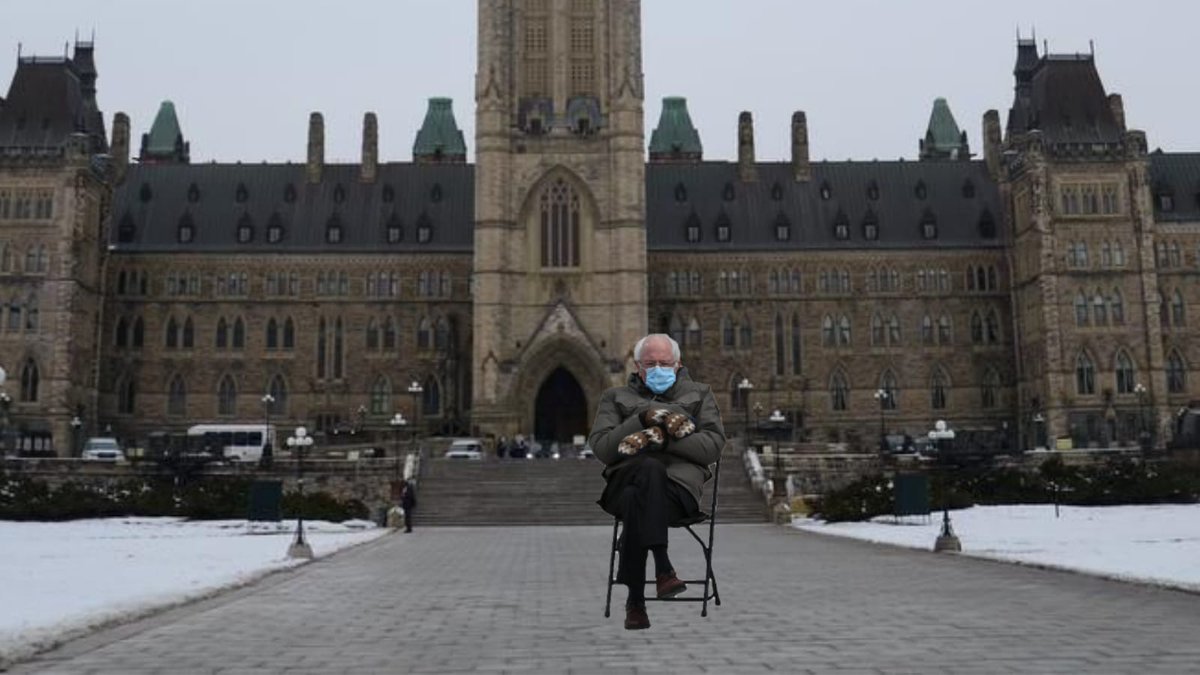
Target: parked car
{"type": "Point", "coordinates": [103, 449]}
{"type": "Point", "coordinates": [465, 448]}
{"type": "Point", "coordinates": [585, 452]}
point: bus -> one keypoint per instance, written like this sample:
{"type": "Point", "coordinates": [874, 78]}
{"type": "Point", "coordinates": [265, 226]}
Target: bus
{"type": "Point", "coordinates": [233, 442]}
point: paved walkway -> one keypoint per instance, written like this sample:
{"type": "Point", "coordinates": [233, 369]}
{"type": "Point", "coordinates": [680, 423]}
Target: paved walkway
{"type": "Point", "coordinates": [529, 600]}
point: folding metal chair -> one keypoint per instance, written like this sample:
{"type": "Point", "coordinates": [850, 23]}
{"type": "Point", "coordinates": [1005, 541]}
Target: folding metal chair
{"type": "Point", "coordinates": [709, 580]}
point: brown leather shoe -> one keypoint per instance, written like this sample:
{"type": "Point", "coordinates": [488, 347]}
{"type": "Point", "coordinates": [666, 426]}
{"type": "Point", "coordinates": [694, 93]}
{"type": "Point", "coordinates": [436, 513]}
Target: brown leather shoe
{"type": "Point", "coordinates": [669, 585]}
{"type": "Point", "coordinates": [635, 617]}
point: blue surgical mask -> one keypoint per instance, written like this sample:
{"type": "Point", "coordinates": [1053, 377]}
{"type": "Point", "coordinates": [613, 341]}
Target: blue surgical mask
{"type": "Point", "coordinates": [660, 379]}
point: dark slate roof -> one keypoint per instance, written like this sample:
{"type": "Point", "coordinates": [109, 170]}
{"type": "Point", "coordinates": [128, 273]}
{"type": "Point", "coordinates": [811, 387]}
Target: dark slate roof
{"type": "Point", "coordinates": [154, 197]}
{"type": "Point", "coordinates": [710, 189]}
{"type": "Point", "coordinates": [1176, 174]}
{"type": "Point", "coordinates": [1066, 102]}
{"type": "Point", "coordinates": [46, 104]}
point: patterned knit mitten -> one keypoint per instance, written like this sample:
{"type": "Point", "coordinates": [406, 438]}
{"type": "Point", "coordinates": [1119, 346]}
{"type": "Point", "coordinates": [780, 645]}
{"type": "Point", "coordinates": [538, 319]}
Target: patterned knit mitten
{"type": "Point", "coordinates": [640, 441]}
{"type": "Point", "coordinates": [678, 425]}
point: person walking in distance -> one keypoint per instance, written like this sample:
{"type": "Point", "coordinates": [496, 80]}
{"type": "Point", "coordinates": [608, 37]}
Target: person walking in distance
{"type": "Point", "coordinates": [408, 502]}
{"type": "Point", "coordinates": [656, 435]}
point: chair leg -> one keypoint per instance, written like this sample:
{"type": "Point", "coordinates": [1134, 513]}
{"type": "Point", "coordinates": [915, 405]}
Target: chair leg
{"type": "Point", "coordinates": [612, 559]}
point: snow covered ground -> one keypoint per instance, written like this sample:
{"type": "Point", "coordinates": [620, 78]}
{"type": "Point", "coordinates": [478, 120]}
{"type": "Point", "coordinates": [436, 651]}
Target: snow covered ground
{"type": "Point", "coordinates": [58, 580]}
{"type": "Point", "coordinates": [1152, 544]}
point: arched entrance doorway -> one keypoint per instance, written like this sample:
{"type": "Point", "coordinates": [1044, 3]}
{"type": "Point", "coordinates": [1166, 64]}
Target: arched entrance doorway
{"type": "Point", "coordinates": [561, 408]}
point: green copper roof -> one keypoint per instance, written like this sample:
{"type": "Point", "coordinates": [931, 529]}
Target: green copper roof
{"type": "Point", "coordinates": [439, 134]}
{"type": "Point", "coordinates": [165, 133]}
{"type": "Point", "coordinates": [675, 134]}
{"type": "Point", "coordinates": [943, 134]}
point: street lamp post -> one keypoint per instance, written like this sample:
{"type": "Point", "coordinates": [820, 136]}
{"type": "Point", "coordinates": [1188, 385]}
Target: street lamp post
{"type": "Point", "coordinates": [882, 396]}
{"type": "Point", "coordinates": [1039, 422]}
{"type": "Point", "coordinates": [1143, 432]}
{"type": "Point", "coordinates": [298, 442]}
{"type": "Point", "coordinates": [76, 423]}
{"type": "Point", "coordinates": [744, 388]}
{"type": "Point", "coordinates": [776, 419]}
{"type": "Point", "coordinates": [5, 401]}
{"type": "Point", "coordinates": [267, 452]}
{"type": "Point", "coordinates": [946, 541]}
{"type": "Point", "coordinates": [415, 390]}
{"type": "Point", "coordinates": [398, 423]}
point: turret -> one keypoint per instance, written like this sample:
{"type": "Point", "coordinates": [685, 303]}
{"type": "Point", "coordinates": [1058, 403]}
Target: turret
{"type": "Point", "coordinates": [801, 165]}
{"type": "Point", "coordinates": [370, 149]}
{"type": "Point", "coordinates": [747, 170]}
{"type": "Point", "coordinates": [316, 147]}
{"type": "Point", "coordinates": [675, 139]}
{"type": "Point", "coordinates": [120, 147]}
{"type": "Point", "coordinates": [440, 140]}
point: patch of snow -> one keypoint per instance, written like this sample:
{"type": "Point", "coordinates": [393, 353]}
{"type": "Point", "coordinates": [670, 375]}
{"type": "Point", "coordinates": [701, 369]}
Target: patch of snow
{"type": "Point", "coordinates": [64, 579]}
{"type": "Point", "coordinates": [1151, 544]}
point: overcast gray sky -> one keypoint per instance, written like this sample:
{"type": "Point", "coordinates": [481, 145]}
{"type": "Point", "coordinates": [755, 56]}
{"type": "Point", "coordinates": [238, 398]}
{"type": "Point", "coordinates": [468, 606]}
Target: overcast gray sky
{"type": "Point", "coordinates": [244, 74]}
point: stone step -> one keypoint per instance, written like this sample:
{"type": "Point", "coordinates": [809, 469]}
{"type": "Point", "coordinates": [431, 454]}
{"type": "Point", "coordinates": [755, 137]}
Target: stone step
{"type": "Point", "coordinates": [544, 492]}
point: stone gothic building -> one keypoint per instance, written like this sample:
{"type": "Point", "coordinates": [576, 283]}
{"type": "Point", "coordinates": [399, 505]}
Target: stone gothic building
{"type": "Point", "coordinates": [1040, 291]}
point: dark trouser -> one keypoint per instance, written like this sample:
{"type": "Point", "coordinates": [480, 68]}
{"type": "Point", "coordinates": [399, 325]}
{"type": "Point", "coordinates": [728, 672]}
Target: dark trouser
{"type": "Point", "coordinates": [647, 502]}
{"type": "Point", "coordinates": [408, 518]}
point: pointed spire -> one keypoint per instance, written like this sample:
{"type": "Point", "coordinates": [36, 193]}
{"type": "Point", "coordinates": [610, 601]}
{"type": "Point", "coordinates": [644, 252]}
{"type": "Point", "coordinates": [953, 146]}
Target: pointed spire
{"type": "Point", "coordinates": [675, 138]}
{"type": "Point", "coordinates": [165, 143]}
{"type": "Point", "coordinates": [943, 139]}
{"type": "Point", "coordinates": [440, 140]}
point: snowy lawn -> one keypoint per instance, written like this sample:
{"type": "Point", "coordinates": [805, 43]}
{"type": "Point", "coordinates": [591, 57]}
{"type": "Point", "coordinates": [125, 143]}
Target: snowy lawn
{"type": "Point", "coordinates": [1154, 544]}
{"type": "Point", "coordinates": [62, 579]}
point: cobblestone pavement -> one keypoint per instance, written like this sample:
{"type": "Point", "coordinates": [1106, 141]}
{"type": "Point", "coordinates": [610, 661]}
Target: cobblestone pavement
{"type": "Point", "coordinates": [530, 600]}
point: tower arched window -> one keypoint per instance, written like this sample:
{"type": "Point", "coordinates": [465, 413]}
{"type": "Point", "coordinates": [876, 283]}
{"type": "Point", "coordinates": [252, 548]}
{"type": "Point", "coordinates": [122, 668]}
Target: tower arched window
{"type": "Point", "coordinates": [796, 344]}
{"type": "Point", "coordinates": [976, 329]}
{"type": "Point", "coordinates": [431, 398]}
{"type": "Point", "coordinates": [372, 335]}
{"type": "Point", "coordinates": [1099, 309]}
{"type": "Point", "coordinates": [289, 334]}
{"type": "Point", "coordinates": [1081, 310]}
{"type": "Point", "coordinates": [780, 346]}
{"type": "Point", "coordinates": [177, 397]}
{"type": "Point", "coordinates": [844, 331]}
{"type": "Point", "coordinates": [381, 396]}
{"type": "Point", "coordinates": [1085, 375]}
{"type": "Point", "coordinates": [747, 333]}
{"type": "Point", "coordinates": [30, 382]}
{"type": "Point", "coordinates": [990, 389]}
{"type": "Point", "coordinates": [227, 396]}
{"type": "Point", "coordinates": [693, 333]}
{"type": "Point", "coordinates": [239, 334]}
{"type": "Point", "coordinates": [121, 339]}
{"type": "Point", "coordinates": [127, 396]}
{"type": "Point", "coordinates": [425, 334]}
{"type": "Point", "coordinates": [1176, 373]}
{"type": "Point", "coordinates": [827, 332]}
{"type": "Point", "coordinates": [1178, 309]}
{"type": "Point", "coordinates": [222, 336]}
{"type": "Point", "coordinates": [279, 392]}
{"type": "Point", "coordinates": [172, 336]}
{"type": "Point", "coordinates": [938, 386]}
{"type": "Point", "coordinates": [993, 327]}
{"type": "Point", "coordinates": [839, 391]}
{"type": "Point", "coordinates": [389, 334]}
{"type": "Point", "coordinates": [877, 334]}
{"type": "Point", "coordinates": [1116, 307]}
{"type": "Point", "coordinates": [272, 334]}
{"type": "Point", "coordinates": [559, 212]}
{"type": "Point", "coordinates": [888, 384]}
{"type": "Point", "coordinates": [1124, 373]}
{"type": "Point", "coordinates": [188, 336]}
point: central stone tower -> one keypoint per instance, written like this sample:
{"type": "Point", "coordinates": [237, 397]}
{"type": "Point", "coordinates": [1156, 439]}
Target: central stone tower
{"type": "Point", "coordinates": [560, 245]}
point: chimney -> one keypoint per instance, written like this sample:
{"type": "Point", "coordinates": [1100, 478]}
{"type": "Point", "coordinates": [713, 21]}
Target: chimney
{"type": "Point", "coordinates": [747, 171]}
{"type": "Point", "coordinates": [370, 149]}
{"type": "Point", "coordinates": [992, 142]}
{"type": "Point", "coordinates": [1117, 105]}
{"type": "Point", "coordinates": [120, 147]}
{"type": "Point", "coordinates": [801, 167]}
{"type": "Point", "coordinates": [316, 147]}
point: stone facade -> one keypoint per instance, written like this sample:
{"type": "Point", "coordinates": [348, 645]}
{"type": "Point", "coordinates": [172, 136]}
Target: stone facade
{"type": "Point", "coordinates": [1040, 293]}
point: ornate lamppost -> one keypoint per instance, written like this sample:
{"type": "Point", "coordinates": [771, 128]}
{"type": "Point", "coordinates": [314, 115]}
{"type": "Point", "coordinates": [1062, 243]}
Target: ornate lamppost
{"type": "Point", "coordinates": [5, 401]}
{"type": "Point", "coordinates": [946, 541]}
{"type": "Point", "coordinates": [415, 390]}
{"type": "Point", "coordinates": [1039, 425]}
{"type": "Point", "coordinates": [397, 423]}
{"type": "Point", "coordinates": [76, 423]}
{"type": "Point", "coordinates": [297, 443]}
{"type": "Point", "coordinates": [267, 452]}
{"type": "Point", "coordinates": [777, 419]}
{"type": "Point", "coordinates": [1143, 431]}
{"type": "Point", "coordinates": [882, 396]}
{"type": "Point", "coordinates": [744, 389]}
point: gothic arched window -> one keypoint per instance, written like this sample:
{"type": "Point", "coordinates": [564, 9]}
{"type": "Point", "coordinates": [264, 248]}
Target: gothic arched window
{"type": "Point", "coordinates": [1124, 373]}
{"type": "Point", "coordinates": [1085, 375]}
{"type": "Point", "coordinates": [177, 397]}
{"type": "Point", "coordinates": [279, 392]}
{"type": "Point", "coordinates": [381, 396]}
{"type": "Point", "coordinates": [30, 379]}
{"type": "Point", "coordinates": [937, 389]}
{"type": "Point", "coordinates": [559, 213]}
{"type": "Point", "coordinates": [839, 391]}
{"type": "Point", "coordinates": [227, 396]}
{"type": "Point", "coordinates": [1176, 373]}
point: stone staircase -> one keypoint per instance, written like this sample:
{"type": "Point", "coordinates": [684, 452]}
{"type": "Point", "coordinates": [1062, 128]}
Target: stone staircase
{"type": "Point", "coordinates": [495, 492]}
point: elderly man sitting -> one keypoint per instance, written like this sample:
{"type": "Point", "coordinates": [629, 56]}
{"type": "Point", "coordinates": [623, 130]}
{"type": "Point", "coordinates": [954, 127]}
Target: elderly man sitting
{"type": "Point", "coordinates": [657, 436]}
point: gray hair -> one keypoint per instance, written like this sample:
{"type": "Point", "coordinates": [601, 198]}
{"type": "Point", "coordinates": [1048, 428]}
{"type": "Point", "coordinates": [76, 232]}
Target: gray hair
{"type": "Point", "coordinates": [637, 348]}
